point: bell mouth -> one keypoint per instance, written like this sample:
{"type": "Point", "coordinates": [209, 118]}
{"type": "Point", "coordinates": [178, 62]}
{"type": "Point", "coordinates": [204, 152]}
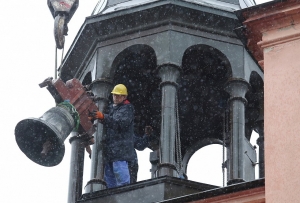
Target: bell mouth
{"type": "Point", "coordinates": [32, 134]}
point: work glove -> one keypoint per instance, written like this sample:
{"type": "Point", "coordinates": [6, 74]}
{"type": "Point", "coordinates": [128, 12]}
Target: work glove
{"type": "Point", "coordinates": [96, 115]}
{"type": "Point", "coordinates": [148, 130]}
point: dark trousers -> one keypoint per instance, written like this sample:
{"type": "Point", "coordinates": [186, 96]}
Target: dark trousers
{"type": "Point", "coordinates": [133, 170]}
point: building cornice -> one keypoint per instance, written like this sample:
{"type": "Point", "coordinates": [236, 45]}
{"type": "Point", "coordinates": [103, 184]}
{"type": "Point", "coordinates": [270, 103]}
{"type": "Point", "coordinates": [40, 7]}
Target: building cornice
{"type": "Point", "coordinates": [273, 17]}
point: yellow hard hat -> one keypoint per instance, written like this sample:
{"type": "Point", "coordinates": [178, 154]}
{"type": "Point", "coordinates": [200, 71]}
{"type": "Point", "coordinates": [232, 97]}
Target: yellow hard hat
{"type": "Point", "coordinates": [120, 89]}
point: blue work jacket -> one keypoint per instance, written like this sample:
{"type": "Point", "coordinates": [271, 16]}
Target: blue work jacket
{"type": "Point", "coordinates": [118, 143]}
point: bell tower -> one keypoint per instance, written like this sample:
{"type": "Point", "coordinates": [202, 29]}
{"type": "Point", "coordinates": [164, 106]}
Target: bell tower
{"type": "Point", "coordinates": [189, 76]}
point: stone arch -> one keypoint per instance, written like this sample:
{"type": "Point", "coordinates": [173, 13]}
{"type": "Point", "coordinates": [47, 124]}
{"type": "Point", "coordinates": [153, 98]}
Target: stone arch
{"type": "Point", "coordinates": [213, 60]}
{"type": "Point", "coordinates": [135, 55]}
{"type": "Point", "coordinates": [135, 68]}
{"type": "Point", "coordinates": [202, 99]}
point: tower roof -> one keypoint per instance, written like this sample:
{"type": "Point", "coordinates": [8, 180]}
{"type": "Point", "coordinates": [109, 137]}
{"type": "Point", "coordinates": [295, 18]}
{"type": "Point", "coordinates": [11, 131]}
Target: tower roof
{"type": "Point", "coordinates": [108, 6]}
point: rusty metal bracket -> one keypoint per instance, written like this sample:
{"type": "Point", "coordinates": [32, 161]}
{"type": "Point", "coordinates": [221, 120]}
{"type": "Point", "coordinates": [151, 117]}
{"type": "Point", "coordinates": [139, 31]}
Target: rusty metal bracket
{"type": "Point", "coordinates": [76, 93]}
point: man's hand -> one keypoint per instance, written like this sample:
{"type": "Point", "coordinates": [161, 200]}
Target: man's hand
{"type": "Point", "coordinates": [96, 115]}
{"type": "Point", "coordinates": [148, 130]}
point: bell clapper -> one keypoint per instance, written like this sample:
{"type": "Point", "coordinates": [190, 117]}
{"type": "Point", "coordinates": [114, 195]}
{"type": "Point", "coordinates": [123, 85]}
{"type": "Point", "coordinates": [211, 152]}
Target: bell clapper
{"type": "Point", "coordinates": [46, 147]}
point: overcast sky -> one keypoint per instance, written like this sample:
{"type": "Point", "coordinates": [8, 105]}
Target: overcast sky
{"type": "Point", "coordinates": [27, 50]}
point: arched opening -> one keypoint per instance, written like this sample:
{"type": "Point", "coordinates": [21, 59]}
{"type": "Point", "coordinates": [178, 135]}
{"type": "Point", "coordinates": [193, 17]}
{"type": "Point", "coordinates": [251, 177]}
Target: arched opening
{"type": "Point", "coordinates": [254, 118]}
{"type": "Point", "coordinates": [254, 107]}
{"type": "Point", "coordinates": [135, 68]}
{"type": "Point", "coordinates": [202, 99]}
{"type": "Point", "coordinates": [205, 166]}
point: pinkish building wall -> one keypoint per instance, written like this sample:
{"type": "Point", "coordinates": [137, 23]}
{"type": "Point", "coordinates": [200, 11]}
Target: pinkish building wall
{"type": "Point", "coordinates": [280, 33]}
{"type": "Point", "coordinates": [282, 116]}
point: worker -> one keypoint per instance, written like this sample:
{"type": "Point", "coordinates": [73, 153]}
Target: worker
{"type": "Point", "coordinates": [119, 142]}
{"type": "Point", "coordinates": [140, 143]}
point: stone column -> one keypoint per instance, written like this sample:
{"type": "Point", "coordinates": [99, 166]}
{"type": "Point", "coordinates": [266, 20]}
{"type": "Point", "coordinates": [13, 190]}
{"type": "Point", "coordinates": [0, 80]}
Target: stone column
{"type": "Point", "coordinates": [76, 167]}
{"type": "Point", "coordinates": [168, 74]}
{"type": "Point", "coordinates": [101, 89]}
{"type": "Point", "coordinates": [237, 89]}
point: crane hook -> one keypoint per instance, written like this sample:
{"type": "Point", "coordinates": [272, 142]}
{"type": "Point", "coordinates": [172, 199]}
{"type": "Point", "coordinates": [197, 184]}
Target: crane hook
{"type": "Point", "coordinates": [62, 11]}
{"type": "Point", "coordinates": [60, 30]}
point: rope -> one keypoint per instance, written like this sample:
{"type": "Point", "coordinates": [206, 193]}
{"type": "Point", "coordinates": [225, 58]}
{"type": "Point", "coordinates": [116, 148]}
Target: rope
{"type": "Point", "coordinates": [72, 110]}
{"type": "Point", "coordinates": [223, 151]}
{"type": "Point", "coordinates": [177, 141]}
{"type": "Point", "coordinates": [162, 127]}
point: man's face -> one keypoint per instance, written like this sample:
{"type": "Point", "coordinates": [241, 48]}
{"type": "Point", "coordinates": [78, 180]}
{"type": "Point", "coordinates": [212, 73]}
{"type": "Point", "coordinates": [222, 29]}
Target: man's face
{"type": "Point", "coordinates": [118, 98]}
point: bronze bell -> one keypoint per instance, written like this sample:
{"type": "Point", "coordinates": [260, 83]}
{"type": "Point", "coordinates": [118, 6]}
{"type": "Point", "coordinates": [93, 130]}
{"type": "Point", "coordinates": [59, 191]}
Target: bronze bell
{"type": "Point", "coordinates": [42, 139]}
